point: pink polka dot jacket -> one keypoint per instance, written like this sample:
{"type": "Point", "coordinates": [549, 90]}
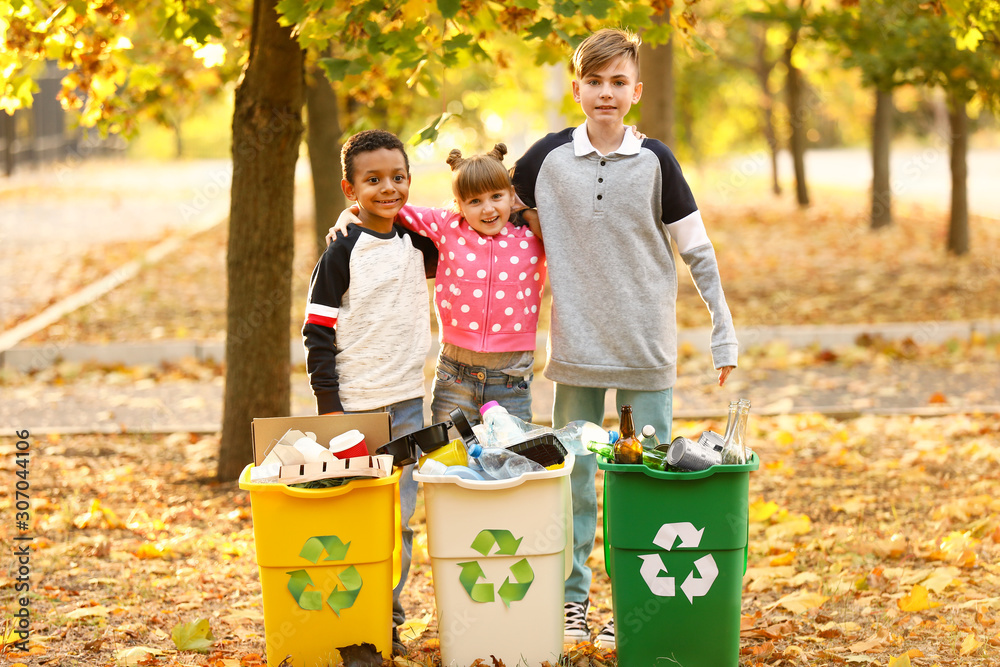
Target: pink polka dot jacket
{"type": "Point", "coordinates": [488, 289]}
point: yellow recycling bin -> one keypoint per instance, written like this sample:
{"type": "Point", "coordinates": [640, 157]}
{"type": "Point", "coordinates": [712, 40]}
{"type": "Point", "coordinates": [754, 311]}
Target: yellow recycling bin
{"type": "Point", "coordinates": [328, 561]}
{"type": "Point", "coordinates": [500, 553]}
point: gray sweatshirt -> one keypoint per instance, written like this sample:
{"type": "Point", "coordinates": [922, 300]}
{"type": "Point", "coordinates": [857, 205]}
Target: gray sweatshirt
{"type": "Point", "coordinates": [607, 224]}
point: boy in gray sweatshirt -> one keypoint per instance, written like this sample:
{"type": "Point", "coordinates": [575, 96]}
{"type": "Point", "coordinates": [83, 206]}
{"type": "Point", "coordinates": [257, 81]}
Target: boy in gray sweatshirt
{"type": "Point", "coordinates": [609, 206]}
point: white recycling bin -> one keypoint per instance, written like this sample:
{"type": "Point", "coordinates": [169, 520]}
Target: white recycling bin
{"type": "Point", "coordinates": [500, 553]}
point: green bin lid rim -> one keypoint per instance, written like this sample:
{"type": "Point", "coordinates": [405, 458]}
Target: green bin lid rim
{"type": "Point", "coordinates": [750, 466]}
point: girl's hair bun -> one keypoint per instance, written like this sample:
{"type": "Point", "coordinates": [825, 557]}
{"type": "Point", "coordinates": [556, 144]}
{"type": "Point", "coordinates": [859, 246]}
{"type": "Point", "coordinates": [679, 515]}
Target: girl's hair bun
{"type": "Point", "coordinates": [499, 150]}
{"type": "Point", "coordinates": [455, 158]}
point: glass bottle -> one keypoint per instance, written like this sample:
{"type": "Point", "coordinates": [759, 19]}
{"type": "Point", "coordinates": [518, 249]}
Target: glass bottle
{"type": "Point", "coordinates": [628, 448]}
{"type": "Point", "coordinates": [744, 404]}
{"type": "Point", "coordinates": [649, 439]}
{"type": "Point", "coordinates": [732, 450]}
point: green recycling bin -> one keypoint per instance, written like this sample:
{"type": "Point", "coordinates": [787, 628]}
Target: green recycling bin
{"type": "Point", "coordinates": [675, 548]}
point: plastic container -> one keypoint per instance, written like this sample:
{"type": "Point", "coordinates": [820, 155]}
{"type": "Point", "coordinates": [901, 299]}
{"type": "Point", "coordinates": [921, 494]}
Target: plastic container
{"type": "Point", "coordinates": [452, 454]}
{"type": "Point", "coordinates": [500, 553]}
{"type": "Point", "coordinates": [675, 548]}
{"type": "Point", "coordinates": [328, 560]}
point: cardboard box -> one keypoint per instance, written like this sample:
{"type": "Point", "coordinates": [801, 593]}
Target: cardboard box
{"type": "Point", "coordinates": [267, 431]}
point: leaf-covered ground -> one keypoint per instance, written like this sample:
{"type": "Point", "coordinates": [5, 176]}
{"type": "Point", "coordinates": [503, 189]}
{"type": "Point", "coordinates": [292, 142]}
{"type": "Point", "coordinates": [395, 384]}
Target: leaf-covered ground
{"type": "Point", "coordinates": [779, 265]}
{"type": "Point", "coordinates": [873, 541]}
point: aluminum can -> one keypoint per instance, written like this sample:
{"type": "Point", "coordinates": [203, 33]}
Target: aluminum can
{"type": "Point", "coordinates": [686, 454]}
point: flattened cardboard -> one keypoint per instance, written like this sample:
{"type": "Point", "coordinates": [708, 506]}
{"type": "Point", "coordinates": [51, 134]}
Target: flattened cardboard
{"type": "Point", "coordinates": [267, 431]}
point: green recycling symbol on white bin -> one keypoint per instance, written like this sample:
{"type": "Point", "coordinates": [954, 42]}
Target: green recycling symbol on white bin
{"type": "Point", "coordinates": [652, 564]}
{"type": "Point", "coordinates": [509, 591]}
{"type": "Point", "coordinates": [350, 579]}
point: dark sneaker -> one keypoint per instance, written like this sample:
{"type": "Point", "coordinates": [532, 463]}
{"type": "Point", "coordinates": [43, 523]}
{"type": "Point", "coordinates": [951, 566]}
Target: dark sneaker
{"type": "Point", "coordinates": [605, 639]}
{"type": "Point", "coordinates": [575, 628]}
{"type": "Point", "coordinates": [398, 648]}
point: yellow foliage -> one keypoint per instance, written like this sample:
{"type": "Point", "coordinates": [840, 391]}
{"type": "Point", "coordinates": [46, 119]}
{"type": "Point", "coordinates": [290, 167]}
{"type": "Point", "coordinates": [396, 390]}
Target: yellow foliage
{"type": "Point", "coordinates": [917, 600]}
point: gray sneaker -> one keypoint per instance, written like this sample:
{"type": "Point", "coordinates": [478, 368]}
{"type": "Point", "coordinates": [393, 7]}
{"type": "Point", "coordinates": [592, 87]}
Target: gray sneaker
{"type": "Point", "coordinates": [605, 639]}
{"type": "Point", "coordinates": [575, 628]}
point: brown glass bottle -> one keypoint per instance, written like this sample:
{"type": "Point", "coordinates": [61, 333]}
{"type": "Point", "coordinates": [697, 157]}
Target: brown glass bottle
{"type": "Point", "coordinates": [628, 448]}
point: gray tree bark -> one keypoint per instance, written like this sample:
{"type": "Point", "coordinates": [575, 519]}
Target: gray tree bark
{"type": "Point", "coordinates": [958, 225]}
{"type": "Point", "coordinates": [881, 141]}
{"type": "Point", "coordinates": [267, 132]}
{"type": "Point", "coordinates": [323, 127]}
{"type": "Point", "coordinates": [658, 88]}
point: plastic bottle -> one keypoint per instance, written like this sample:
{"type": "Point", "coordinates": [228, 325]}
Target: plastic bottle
{"type": "Point", "coordinates": [575, 435]}
{"type": "Point", "coordinates": [502, 428]}
{"type": "Point", "coordinates": [452, 454]}
{"type": "Point", "coordinates": [475, 450]}
{"type": "Point", "coordinates": [628, 449]}
{"type": "Point", "coordinates": [501, 463]}
{"type": "Point", "coordinates": [649, 439]}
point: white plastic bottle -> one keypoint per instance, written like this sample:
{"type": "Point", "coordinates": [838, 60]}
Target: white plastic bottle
{"type": "Point", "coordinates": [502, 428]}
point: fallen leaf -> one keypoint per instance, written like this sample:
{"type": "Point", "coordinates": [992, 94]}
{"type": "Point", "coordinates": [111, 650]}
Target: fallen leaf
{"type": "Point", "coordinates": [970, 644]}
{"type": "Point", "coordinates": [916, 600]}
{"type": "Point", "coordinates": [412, 629]}
{"type": "Point", "coordinates": [799, 601]}
{"type": "Point", "coordinates": [83, 612]}
{"type": "Point", "coordinates": [193, 636]}
{"type": "Point", "coordinates": [936, 398]}
{"type": "Point", "coordinates": [135, 655]}
{"type": "Point", "coordinates": [873, 643]}
{"type": "Point", "coordinates": [901, 661]}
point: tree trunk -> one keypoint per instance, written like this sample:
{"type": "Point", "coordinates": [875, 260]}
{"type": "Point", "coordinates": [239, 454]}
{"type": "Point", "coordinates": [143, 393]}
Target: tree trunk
{"type": "Point", "coordinates": [881, 140]}
{"type": "Point", "coordinates": [958, 226]}
{"type": "Point", "coordinates": [267, 132]}
{"type": "Point", "coordinates": [762, 69]}
{"type": "Point", "coordinates": [323, 126]}
{"type": "Point", "coordinates": [657, 64]}
{"type": "Point", "coordinates": [178, 139]}
{"type": "Point", "coordinates": [797, 115]}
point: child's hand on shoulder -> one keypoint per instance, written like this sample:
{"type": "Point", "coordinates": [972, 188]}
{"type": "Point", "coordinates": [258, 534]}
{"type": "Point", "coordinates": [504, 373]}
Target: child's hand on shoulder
{"type": "Point", "coordinates": [347, 217]}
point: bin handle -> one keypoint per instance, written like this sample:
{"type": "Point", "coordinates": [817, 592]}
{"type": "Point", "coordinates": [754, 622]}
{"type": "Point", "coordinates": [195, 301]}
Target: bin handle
{"type": "Point", "coordinates": [568, 508]}
{"type": "Point", "coordinates": [397, 539]}
{"type": "Point", "coordinates": [604, 523]}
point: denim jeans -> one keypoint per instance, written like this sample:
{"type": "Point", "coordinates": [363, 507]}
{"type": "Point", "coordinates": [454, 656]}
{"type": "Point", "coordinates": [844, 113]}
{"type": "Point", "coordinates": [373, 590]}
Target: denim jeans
{"type": "Point", "coordinates": [571, 403]}
{"type": "Point", "coordinates": [469, 387]}
{"type": "Point", "coordinates": [404, 417]}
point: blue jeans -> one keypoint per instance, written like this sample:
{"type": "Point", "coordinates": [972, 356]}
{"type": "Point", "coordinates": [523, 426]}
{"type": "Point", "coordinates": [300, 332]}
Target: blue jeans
{"type": "Point", "coordinates": [571, 403]}
{"type": "Point", "coordinates": [404, 417]}
{"type": "Point", "coordinates": [469, 387]}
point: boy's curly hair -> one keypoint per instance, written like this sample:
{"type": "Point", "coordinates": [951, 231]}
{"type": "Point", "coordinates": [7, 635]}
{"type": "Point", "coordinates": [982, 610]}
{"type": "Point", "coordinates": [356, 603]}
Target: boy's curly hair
{"type": "Point", "coordinates": [478, 174]}
{"type": "Point", "coordinates": [365, 141]}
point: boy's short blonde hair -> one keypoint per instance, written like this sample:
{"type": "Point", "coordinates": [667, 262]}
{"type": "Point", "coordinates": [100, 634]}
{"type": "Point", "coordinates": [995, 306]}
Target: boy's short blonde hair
{"type": "Point", "coordinates": [603, 47]}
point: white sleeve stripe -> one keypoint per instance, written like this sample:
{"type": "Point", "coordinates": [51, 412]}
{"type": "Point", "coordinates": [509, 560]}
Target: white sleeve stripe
{"type": "Point", "coordinates": [321, 310]}
{"type": "Point", "coordinates": [689, 232]}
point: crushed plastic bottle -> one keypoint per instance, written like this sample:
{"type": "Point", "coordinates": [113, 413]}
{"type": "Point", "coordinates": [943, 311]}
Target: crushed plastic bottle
{"type": "Point", "coordinates": [501, 463]}
{"type": "Point", "coordinates": [502, 428]}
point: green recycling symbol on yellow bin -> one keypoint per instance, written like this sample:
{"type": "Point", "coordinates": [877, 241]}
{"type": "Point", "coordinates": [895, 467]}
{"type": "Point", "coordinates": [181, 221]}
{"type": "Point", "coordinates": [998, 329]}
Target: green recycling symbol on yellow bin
{"type": "Point", "coordinates": [509, 591]}
{"type": "Point", "coordinates": [350, 579]}
{"type": "Point", "coordinates": [652, 564]}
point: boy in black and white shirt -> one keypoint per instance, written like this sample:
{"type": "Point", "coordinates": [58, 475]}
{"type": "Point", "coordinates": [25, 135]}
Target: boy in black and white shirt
{"type": "Point", "coordinates": [367, 328]}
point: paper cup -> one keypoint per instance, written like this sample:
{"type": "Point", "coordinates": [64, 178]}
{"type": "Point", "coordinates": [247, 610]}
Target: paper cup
{"type": "Point", "coordinates": [349, 445]}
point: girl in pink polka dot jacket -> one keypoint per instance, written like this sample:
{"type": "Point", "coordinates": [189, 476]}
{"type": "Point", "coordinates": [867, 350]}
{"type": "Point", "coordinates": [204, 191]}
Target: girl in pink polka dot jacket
{"type": "Point", "coordinates": [488, 288]}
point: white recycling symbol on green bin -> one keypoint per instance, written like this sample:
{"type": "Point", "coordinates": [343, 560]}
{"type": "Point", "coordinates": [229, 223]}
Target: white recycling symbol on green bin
{"type": "Point", "coordinates": [350, 578]}
{"type": "Point", "coordinates": [509, 591]}
{"type": "Point", "coordinates": [652, 564]}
